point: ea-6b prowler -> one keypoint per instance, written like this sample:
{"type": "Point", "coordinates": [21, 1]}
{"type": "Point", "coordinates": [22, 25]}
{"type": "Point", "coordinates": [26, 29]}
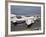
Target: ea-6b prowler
{"type": "Point", "coordinates": [21, 19]}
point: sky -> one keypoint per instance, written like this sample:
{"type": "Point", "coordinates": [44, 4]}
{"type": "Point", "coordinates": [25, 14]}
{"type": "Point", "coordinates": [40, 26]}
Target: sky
{"type": "Point", "coordinates": [25, 10]}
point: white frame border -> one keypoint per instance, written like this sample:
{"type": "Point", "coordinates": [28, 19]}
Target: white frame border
{"type": "Point", "coordinates": [23, 32]}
